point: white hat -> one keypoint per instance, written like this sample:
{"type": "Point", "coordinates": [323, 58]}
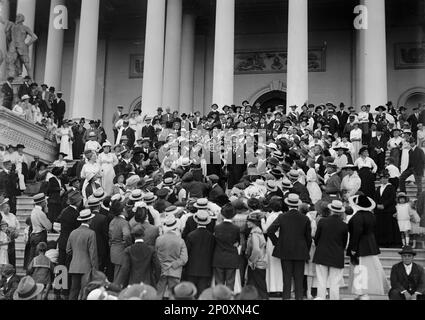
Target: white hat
{"type": "Point", "coordinates": [293, 200]}
{"type": "Point", "coordinates": [106, 144]}
{"type": "Point", "coordinates": [25, 97]}
{"type": "Point", "coordinates": [170, 223]}
{"type": "Point", "coordinates": [85, 215]}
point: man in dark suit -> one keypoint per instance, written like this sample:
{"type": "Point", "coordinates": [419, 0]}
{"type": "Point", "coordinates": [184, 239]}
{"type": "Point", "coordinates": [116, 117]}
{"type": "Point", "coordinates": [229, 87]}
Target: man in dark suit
{"type": "Point", "coordinates": [330, 239]}
{"type": "Point", "coordinates": [8, 283]}
{"type": "Point", "coordinates": [343, 118]}
{"type": "Point", "coordinates": [7, 91]}
{"type": "Point", "coordinates": [415, 167]}
{"type": "Point", "coordinates": [44, 105]}
{"type": "Point", "coordinates": [226, 257]}
{"type": "Point", "coordinates": [25, 88]}
{"type": "Point", "coordinates": [82, 247]}
{"type": "Point", "coordinates": [100, 226]}
{"type": "Point", "coordinates": [298, 187]}
{"type": "Point", "coordinates": [32, 171]}
{"type": "Point", "coordinates": [407, 278]}
{"type": "Point", "coordinates": [59, 108]}
{"type": "Point", "coordinates": [148, 131]}
{"type": "Point", "coordinates": [216, 190]}
{"type": "Point", "coordinates": [54, 193]}
{"type": "Point", "coordinates": [293, 245]}
{"type": "Point", "coordinates": [129, 133]}
{"type": "Point", "coordinates": [140, 263]}
{"type": "Point", "coordinates": [200, 248]}
{"type": "Point", "coordinates": [378, 149]}
{"type": "Point", "coordinates": [413, 120]}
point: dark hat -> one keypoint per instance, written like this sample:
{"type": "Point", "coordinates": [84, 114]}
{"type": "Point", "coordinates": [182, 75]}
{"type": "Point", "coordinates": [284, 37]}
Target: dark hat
{"type": "Point", "coordinates": [402, 195]}
{"type": "Point", "coordinates": [380, 108]}
{"type": "Point", "coordinates": [407, 250]}
{"type": "Point", "coordinates": [214, 178]}
{"type": "Point", "coordinates": [20, 146]}
{"type": "Point", "coordinates": [363, 149]}
{"type": "Point", "coordinates": [57, 171]}
{"type": "Point", "coordinates": [44, 85]}
{"type": "Point", "coordinates": [277, 172]}
{"type": "Point", "coordinates": [120, 107]}
{"type": "Point", "coordinates": [362, 202]}
{"type": "Point", "coordinates": [402, 108]}
{"type": "Point", "coordinates": [63, 154]}
{"type": "Point", "coordinates": [52, 89]}
{"type": "Point", "coordinates": [255, 216]}
{"type": "Point", "coordinates": [27, 78]}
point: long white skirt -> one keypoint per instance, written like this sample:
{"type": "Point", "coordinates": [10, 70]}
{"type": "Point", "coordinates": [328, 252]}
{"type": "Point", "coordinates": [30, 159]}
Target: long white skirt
{"type": "Point", "coordinates": [274, 277]}
{"type": "Point", "coordinates": [314, 191]}
{"type": "Point", "coordinates": [108, 175]}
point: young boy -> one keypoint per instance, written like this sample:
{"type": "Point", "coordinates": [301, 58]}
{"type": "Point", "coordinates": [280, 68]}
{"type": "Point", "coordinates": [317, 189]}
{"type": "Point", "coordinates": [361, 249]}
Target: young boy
{"type": "Point", "coordinates": [41, 269]}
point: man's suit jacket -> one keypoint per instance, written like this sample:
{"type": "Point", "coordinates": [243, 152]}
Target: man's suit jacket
{"type": "Point", "coordinates": [59, 107]}
{"type": "Point", "coordinates": [301, 190]}
{"type": "Point", "coordinates": [69, 222]}
{"type": "Point", "coordinates": [215, 192]}
{"type": "Point", "coordinates": [82, 246]}
{"type": "Point", "coordinates": [9, 287]}
{"type": "Point", "coordinates": [362, 235]}
{"type": "Point", "coordinates": [130, 133]}
{"type": "Point", "coordinates": [100, 226]}
{"type": "Point", "coordinates": [139, 264]}
{"type": "Point", "coordinates": [331, 239]}
{"type": "Point", "coordinates": [200, 249]}
{"type": "Point", "coordinates": [413, 120]}
{"type": "Point", "coordinates": [400, 280]}
{"type": "Point", "coordinates": [23, 90]}
{"type": "Point", "coordinates": [375, 143]}
{"type": "Point", "coordinates": [226, 255]}
{"type": "Point", "coordinates": [343, 118]}
{"type": "Point", "coordinates": [172, 254]}
{"type": "Point", "coordinates": [417, 161]}
{"type": "Point", "coordinates": [191, 225]}
{"type": "Point", "coordinates": [294, 240]}
{"type": "Point", "coordinates": [388, 199]}
{"type": "Point", "coordinates": [149, 132]}
{"type": "Point", "coordinates": [32, 169]}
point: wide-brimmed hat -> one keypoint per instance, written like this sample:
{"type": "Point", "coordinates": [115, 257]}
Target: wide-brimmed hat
{"type": "Point", "coordinates": [293, 200]}
{"type": "Point", "coordinates": [38, 198]}
{"type": "Point", "coordinates": [402, 195]}
{"type": "Point", "coordinates": [407, 250]}
{"type": "Point", "coordinates": [202, 217]}
{"type": "Point", "coordinates": [363, 149]}
{"type": "Point", "coordinates": [132, 181]}
{"type": "Point", "coordinates": [201, 203]}
{"type": "Point", "coordinates": [136, 195]}
{"type": "Point", "coordinates": [286, 184]}
{"type": "Point", "coordinates": [149, 198]}
{"type": "Point", "coordinates": [170, 223]}
{"type": "Point", "coordinates": [340, 147]}
{"type": "Point", "coordinates": [271, 186]}
{"type": "Point", "coordinates": [27, 289]}
{"type": "Point", "coordinates": [57, 171]}
{"type": "Point", "coordinates": [172, 210]}
{"type": "Point", "coordinates": [168, 182]}
{"type": "Point", "coordinates": [3, 200]}
{"type": "Point", "coordinates": [85, 215]}
{"type": "Point", "coordinates": [336, 206]}
{"type": "Point", "coordinates": [99, 194]}
{"type": "Point", "coordinates": [74, 197]}
{"type": "Point", "coordinates": [254, 216]}
{"type": "Point", "coordinates": [277, 173]}
{"type": "Point", "coordinates": [380, 108]}
{"type": "Point", "coordinates": [362, 202]}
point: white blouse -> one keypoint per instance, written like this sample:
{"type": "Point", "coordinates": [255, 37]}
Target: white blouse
{"type": "Point", "coordinates": [367, 162]}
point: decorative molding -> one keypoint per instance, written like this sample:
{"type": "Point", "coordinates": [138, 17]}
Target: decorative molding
{"type": "Point", "coordinates": [276, 85]}
{"type": "Point", "coordinates": [15, 130]}
{"type": "Point", "coordinates": [404, 97]}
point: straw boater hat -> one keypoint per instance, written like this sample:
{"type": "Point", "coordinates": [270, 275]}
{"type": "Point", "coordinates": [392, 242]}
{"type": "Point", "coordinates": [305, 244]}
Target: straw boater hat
{"type": "Point", "coordinates": [3, 200]}
{"type": "Point", "coordinates": [201, 204]}
{"type": "Point", "coordinates": [149, 198]}
{"type": "Point", "coordinates": [136, 195]}
{"type": "Point", "coordinates": [170, 223]}
{"type": "Point", "coordinates": [271, 186]}
{"type": "Point", "coordinates": [362, 203]}
{"type": "Point", "coordinates": [172, 210]}
{"type": "Point", "coordinates": [293, 200]}
{"type": "Point", "coordinates": [340, 147]}
{"type": "Point", "coordinates": [132, 181]}
{"type": "Point", "coordinates": [202, 217]}
{"type": "Point", "coordinates": [106, 144]}
{"type": "Point", "coordinates": [184, 291]}
{"type": "Point", "coordinates": [39, 198]}
{"type": "Point", "coordinates": [99, 194]}
{"type": "Point", "coordinates": [293, 175]}
{"type": "Point", "coordinates": [92, 134]}
{"type": "Point", "coordinates": [85, 215]}
{"type": "Point", "coordinates": [27, 289]}
{"type": "Point", "coordinates": [168, 182]}
{"type": "Point", "coordinates": [286, 184]}
{"type": "Point", "coordinates": [336, 206]}
{"type": "Point", "coordinates": [93, 202]}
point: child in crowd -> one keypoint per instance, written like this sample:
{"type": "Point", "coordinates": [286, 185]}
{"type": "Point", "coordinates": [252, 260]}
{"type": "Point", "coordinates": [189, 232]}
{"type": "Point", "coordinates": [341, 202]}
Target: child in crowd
{"type": "Point", "coordinates": [404, 215]}
{"type": "Point", "coordinates": [4, 243]}
{"type": "Point", "coordinates": [41, 269]}
{"type": "Point", "coordinates": [393, 171]}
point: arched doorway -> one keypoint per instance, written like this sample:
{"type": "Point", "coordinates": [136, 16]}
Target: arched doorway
{"type": "Point", "coordinates": [272, 99]}
{"type": "Point", "coordinates": [411, 98]}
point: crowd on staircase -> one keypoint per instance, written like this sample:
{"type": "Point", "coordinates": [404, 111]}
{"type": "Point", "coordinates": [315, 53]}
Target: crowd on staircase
{"type": "Point", "coordinates": [240, 203]}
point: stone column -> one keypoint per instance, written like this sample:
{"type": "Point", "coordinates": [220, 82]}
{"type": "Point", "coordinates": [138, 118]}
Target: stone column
{"type": "Point", "coordinates": [224, 53]}
{"type": "Point", "coordinates": [372, 57]}
{"type": "Point", "coordinates": [297, 76]}
{"type": "Point", "coordinates": [173, 38]}
{"type": "Point", "coordinates": [209, 75]}
{"type": "Point", "coordinates": [187, 63]}
{"type": "Point", "coordinates": [74, 63]}
{"type": "Point", "coordinates": [53, 71]}
{"type": "Point", "coordinates": [4, 13]}
{"type": "Point", "coordinates": [85, 70]}
{"type": "Point", "coordinates": [27, 8]}
{"type": "Point", "coordinates": [154, 57]}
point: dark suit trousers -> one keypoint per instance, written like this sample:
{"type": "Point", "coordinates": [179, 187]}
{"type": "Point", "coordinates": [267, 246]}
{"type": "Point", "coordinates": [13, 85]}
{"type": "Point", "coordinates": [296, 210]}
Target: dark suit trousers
{"type": "Point", "coordinates": [225, 276]}
{"type": "Point", "coordinates": [292, 269]}
{"type": "Point", "coordinates": [12, 253]}
{"type": "Point", "coordinates": [257, 278]}
{"type": "Point", "coordinates": [201, 283]}
{"type": "Point", "coordinates": [406, 174]}
{"type": "Point", "coordinates": [75, 286]}
{"type": "Point", "coordinates": [395, 295]}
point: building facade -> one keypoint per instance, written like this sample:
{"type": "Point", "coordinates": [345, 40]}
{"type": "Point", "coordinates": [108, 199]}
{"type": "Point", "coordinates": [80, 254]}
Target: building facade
{"type": "Point", "coordinates": [188, 54]}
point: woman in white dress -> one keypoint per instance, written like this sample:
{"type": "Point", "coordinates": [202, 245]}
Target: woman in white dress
{"type": "Point", "coordinates": [91, 166]}
{"type": "Point", "coordinates": [404, 163]}
{"type": "Point", "coordinates": [65, 135]}
{"type": "Point", "coordinates": [107, 161]}
{"type": "Point", "coordinates": [61, 162]}
{"type": "Point", "coordinates": [356, 140]}
{"type": "Point", "coordinates": [312, 182]}
{"type": "Point", "coordinates": [274, 277]}
{"type": "Point", "coordinates": [37, 116]}
{"type": "Point", "coordinates": [421, 136]}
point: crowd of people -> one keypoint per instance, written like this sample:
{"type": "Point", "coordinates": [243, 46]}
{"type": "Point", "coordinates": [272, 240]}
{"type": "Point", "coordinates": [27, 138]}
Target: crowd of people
{"type": "Point", "coordinates": [241, 201]}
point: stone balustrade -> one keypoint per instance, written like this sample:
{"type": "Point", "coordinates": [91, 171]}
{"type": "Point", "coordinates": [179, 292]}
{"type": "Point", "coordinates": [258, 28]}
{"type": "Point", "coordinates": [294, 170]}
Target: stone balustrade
{"type": "Point", "coordinates": [15, 130]}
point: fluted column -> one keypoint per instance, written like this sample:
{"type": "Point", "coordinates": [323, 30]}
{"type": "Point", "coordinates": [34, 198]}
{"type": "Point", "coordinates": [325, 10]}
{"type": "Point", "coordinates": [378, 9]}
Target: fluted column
{"type": "Point", "coordinates": [154, 57]}
{"type": "Point", "coordinates": [27, 8]}
{"type": "Point", "coordinates": [74, 63]}
{"type": "Point", "coordinates": [53, 71]}
{"type": "Point", "coordinates": [4, 14]}
{"type": "Point", "coordinates": [85, 71]}
{"type": "Point", "coordinates": [297, 76]}
{"type": "Point", "coordinates": [187, 63]}
{"type": "Point", "coordinates": [172, 54]}
{"type": "Point", "coordinates": [223, 80]}
{"type": "Point", "coordinates": [372, 57]}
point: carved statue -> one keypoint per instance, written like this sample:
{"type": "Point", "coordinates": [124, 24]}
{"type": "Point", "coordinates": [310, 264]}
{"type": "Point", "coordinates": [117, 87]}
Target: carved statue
{"type": "Point", "coordinates": [18, 49]}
